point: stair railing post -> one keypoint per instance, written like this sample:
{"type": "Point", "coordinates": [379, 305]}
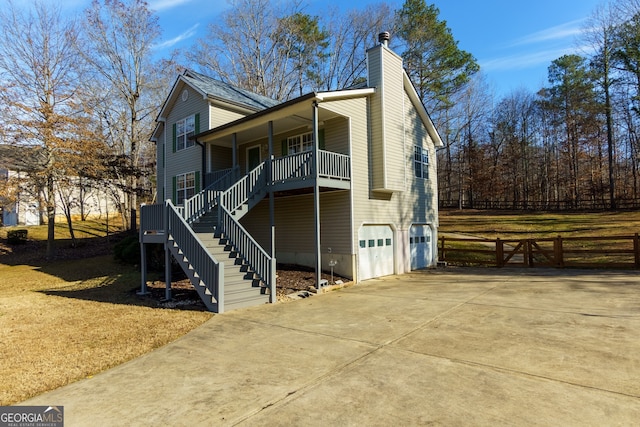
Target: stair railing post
{"type": "Point", "coordinates": [220, 294]}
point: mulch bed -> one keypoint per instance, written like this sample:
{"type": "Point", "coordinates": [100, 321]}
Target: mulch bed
{"type": "Point", "coordinates": [291, 280]}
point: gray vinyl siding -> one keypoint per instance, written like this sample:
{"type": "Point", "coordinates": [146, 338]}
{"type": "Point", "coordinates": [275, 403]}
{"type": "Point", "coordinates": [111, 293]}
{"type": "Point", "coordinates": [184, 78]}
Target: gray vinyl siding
{"type": "Point", "coordinates": [160, 160]}
{"type": "Point", "coordinates": [188, 159]}
{"type": "Point", "coordinates": [295, 229]}
{"type": "Point", "coordinates": [220, 158]}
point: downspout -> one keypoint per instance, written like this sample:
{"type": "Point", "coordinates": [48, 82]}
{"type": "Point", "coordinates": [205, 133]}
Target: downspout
{"type": "Point", "coordinates": [234, 153]}
{"type": "Point", "coordinates": [164, 163]}
{"type": "Point", "coordinates": [203, 163]}
{"type": "Point", "coordinates": [316, 195]}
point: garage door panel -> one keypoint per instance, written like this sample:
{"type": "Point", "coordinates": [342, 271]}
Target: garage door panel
{"type": "Point", "coordinates": [420, 244]}
{"type": "Point", "coordinates": [375, 251]}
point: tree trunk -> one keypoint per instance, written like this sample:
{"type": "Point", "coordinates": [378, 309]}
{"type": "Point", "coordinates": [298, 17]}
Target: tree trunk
{"type": "Point", "coordinates": [51, 219]}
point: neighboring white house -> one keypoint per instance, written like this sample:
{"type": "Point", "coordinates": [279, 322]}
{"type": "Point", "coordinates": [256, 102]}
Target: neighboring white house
{"type": "Point", "coordinates": [250, 183]}
{"type": "Point", "coordinates": [27, 206]}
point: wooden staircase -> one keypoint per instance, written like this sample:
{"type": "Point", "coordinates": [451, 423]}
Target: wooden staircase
{"type": "Point", "coordinates": [242, 288]}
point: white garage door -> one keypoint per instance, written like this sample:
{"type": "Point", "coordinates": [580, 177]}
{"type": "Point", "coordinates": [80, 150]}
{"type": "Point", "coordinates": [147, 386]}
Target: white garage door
{"type": "Point", "coordinates": [420, 244]}
{"type": "Point", "coordinates": [375, 251]}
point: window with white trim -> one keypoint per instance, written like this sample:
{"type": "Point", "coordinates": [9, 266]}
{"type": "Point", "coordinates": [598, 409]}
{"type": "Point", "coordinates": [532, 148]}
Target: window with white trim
{"type": "Point", "coordinates": [185, 187]}
{"type": "Point", "coordinates": [185, 129]}
{"type": "Point", "coordinates": [300, 143]}
{"type": "Point", "coordinates": [421, 162]}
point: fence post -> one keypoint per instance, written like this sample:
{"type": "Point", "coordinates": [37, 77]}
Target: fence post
{"type": "Point", "coordinates": [636, 250]}
{"type": "Point", "coordinates": [499, 253]}
{"type": "Point", "coordinates": [528, 258]}
{"type": "Point", "coordinates": [558, 252]}
{"type": "Point", "coordinates": [444, 258]}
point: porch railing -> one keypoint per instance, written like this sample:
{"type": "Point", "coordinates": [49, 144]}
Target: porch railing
{"type": "Point", "coordinates": [292, 167]}
{"type": "Point", "coordinates": [151, 218]}
{"type": "Point", "coordinates": [207, 199]}
{"type": "Point", "coordinates": [212, 178]}
{"type": "Point", "coordinates": [210, 271]}
{"type": "Point", "coordinates": [299, 166]}
{"type": "Point", "coordinates": [334, 165]}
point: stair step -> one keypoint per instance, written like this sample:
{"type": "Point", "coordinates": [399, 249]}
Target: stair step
{"type": "Point", "coordinates": [233, 303]}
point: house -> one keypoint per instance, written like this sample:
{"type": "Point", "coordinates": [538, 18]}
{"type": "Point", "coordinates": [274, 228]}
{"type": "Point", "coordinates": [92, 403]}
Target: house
{"type": "Point", "coordinates": [26, 204]}
{"type": "Point", "coordinates": [245, 184]}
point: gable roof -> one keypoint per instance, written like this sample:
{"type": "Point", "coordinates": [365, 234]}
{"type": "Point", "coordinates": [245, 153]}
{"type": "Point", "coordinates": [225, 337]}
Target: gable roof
{"type": "Point", "coordinates": [220, 90]}
{"type": "Point", "coordinates": [210, 88]}
{"type": "Point", "coordinates": [213, 90]}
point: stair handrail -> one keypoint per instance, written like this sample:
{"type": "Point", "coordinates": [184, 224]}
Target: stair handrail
{"type": "Point", "coordinates": [205, 200]}
{"type": "Point", "coordinates": [230, 200]}
{"type": "Point", "coordinates": [239, 238]}
{"type": "Point", "coordinates": [209, 270]}
{"type": "Point", "coordinates": [238, 194]}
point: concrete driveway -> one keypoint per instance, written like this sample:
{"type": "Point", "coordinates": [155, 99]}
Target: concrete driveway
{"type": "Point", "coordinates": [442, 347]}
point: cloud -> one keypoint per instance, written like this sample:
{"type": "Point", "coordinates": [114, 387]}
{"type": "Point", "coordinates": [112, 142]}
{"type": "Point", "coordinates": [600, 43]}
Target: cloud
{"type": "Point", "coordinates": [183, 36]}
{"type": "Point", "coordinates": [558, 32]}
{"type": "Point", "coordinates": [524, 60]}
{"type": "Point", "coordinates": [159, 5]}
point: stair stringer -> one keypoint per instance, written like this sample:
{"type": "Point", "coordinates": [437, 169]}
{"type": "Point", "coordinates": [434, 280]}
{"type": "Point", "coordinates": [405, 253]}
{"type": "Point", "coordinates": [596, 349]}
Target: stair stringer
{"type": "Point", "coordinates": [192, 274]}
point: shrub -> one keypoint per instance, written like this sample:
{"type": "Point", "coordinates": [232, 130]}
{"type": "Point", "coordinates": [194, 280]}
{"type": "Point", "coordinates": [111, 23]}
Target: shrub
{"type": "Point", "coordinates": [128, 250]}
{"type": "Point", "coordinates": [17, 237]}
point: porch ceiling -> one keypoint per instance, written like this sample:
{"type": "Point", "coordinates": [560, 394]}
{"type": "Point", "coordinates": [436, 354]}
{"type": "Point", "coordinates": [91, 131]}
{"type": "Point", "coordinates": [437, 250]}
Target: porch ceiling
{"type": "Point", "coordinates": [284, 120]}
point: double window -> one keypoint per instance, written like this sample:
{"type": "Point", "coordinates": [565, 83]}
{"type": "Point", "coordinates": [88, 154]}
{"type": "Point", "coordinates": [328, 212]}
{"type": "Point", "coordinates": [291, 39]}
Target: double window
{"type": "Point", "coordinates": [421, 162]}
{"type": "Point", "coordinates": [185, 187]}
{"type": "Point", "coordinates": [300, 143]}
{"type": "Point", "coordinates": [183, 130]}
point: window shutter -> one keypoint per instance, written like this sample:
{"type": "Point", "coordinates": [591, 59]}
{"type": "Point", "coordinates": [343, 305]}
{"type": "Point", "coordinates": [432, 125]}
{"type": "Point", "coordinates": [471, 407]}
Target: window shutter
{"type": "Point", "coordinates": [175, 132]}
{"type": "Point", "coordinates": [197, 183]}
{"type": "Point", "coordinates": [321, 139]}
{"type": "Point", "coordinates": [197, 123]}
{"type": "Point", "coordinates": [163, 155]}
{"type": "Point", "coordinates": [285, 147]}
{"type": "Point", "coordinates": [175, 191]}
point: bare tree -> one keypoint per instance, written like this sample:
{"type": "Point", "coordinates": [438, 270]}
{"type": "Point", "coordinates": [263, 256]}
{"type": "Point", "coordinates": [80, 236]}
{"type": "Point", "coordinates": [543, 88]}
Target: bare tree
{"type": "Point", "coordinates": [244, 50]}
{"type": "Point", "coordinates": [117, 41]}
{"type": "Point", "coordinates": [599, 34]}
{"type": "Point", "coordinates": [350, 35]}
{"type": "Point", "coordinates": [41, 110]}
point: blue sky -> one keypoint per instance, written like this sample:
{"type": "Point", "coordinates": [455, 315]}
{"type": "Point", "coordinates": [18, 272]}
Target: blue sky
{"type": "Point", "coordinates": [514, 41]}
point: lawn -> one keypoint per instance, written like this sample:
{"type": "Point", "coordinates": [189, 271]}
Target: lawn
{"type": "Point", "coordinates": [73, 317]}
{"type": "Point", "coordinates": [523, 225]}
{"type": "Point", "coordinates": [516, 226]}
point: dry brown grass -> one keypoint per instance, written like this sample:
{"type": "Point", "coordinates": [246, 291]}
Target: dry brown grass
{"type": "Point", "coordinates": [523, 225]}
{"type": "Point", "coordinates": [70, 319]}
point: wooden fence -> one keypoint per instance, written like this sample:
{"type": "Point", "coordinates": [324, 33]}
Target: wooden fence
{"type": "Point", "coordinates": [587, 252]}
{"type": "Point", "coordinates": [533, 205]}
